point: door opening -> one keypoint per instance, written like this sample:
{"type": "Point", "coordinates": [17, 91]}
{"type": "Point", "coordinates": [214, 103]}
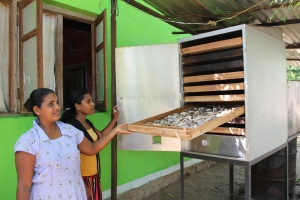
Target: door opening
{"type": "Point", "coordinates": [77, 57]}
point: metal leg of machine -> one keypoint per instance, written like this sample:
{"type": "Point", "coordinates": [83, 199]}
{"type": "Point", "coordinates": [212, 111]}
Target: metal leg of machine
{"type": "Point", "coordinates": [286, 167]}
{"type": "Point", "coordinates": [182, 176]}
{"type": "Point", "coordinates": [248, 182]}
{"type": "Point", "coordinates": [231, 189]}
{"type": "Point", "coordinates": [233, 161]}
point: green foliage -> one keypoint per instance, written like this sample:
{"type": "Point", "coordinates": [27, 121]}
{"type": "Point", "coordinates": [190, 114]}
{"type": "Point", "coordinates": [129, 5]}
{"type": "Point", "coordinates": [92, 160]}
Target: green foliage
{"type": "Point", "coordinates": [287, 6]}
{"type": "Point", "coordinates": [293, 73]}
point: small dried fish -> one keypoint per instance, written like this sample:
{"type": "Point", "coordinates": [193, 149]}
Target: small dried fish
{"type": "Point", "coordinates": [195, 116]}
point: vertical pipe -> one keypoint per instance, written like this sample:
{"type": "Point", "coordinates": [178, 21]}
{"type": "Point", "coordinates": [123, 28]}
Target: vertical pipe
{"type": "Point", "coordinates": [231, 181]}
{"type": "Point", "coordinates": [113, 88]}
{"type": "Point", "coordinates": [182, 176]}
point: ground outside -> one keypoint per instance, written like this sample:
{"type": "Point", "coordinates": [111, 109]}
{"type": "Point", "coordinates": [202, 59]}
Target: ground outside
{"type": "Point", "coordinates": [209, 183]}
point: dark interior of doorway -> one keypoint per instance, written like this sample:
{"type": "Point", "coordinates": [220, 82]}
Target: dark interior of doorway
{"type": "Point", "coordinates": [77, 57]}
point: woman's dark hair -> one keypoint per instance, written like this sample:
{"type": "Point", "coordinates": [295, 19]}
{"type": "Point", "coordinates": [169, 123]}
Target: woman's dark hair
{"type": "Point", "coordinates": [36, 98]}
{"type": "Point", "coordinates": [75, 96]}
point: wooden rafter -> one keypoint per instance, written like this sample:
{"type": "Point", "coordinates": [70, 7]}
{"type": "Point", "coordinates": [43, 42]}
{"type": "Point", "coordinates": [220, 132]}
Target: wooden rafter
{"type": "Point", "coordinates": [281, 23]}
{"type": "Point", "coordinates": [293, 46]}
{"type": "Point", "coordinates": [292, 59]}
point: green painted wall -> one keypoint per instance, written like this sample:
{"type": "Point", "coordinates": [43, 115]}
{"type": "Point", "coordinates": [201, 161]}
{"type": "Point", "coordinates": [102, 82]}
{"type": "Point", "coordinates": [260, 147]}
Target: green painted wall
{"type": "Point", "coordinates": [133, 28]}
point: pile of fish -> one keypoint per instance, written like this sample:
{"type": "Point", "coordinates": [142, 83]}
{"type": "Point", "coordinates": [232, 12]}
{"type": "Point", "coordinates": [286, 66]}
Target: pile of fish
{"type": "Point", "coordinates": [194, 117]}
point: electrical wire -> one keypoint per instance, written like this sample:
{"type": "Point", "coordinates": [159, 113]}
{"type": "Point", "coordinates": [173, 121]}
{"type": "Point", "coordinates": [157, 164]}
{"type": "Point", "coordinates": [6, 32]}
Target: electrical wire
{"type": "Point", "coordinates": [100, 2]}
{"type": "Point", "coordinates": [114, 7]}
{"type": "Point", "coordinates": [240, 12]}
{"type": "Point", "coordinates": [82, 7]}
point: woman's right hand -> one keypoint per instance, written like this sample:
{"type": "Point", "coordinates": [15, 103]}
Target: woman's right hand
{"type": "Point", "coordinates": [122, 129]}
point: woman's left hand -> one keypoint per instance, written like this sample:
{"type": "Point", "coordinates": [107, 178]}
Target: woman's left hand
{"type": "Point", "coordinates": [116, 113]}
{"type": "Point", "coordinates": [122, 129]}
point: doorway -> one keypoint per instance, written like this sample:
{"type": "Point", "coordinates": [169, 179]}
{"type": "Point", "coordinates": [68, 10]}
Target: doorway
{"type": "Point", "coordinates": [77, 57]}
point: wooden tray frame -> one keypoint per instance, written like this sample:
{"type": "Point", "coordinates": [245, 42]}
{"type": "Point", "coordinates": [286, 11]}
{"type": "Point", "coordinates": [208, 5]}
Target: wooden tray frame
{"type": "Point", "coordinates": [178, 132]}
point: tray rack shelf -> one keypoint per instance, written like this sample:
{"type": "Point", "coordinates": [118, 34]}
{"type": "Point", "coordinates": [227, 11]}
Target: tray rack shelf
{"type": "Point", "coordinates": [212, 73]}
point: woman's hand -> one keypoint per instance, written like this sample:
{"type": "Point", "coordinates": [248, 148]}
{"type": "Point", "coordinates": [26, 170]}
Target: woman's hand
{"type": "Point", "coordinates": [122, 129]}
{"type": "Point", "coordinates": [116, 113]}
{"type": "Point", "coordinates": [91, 148]}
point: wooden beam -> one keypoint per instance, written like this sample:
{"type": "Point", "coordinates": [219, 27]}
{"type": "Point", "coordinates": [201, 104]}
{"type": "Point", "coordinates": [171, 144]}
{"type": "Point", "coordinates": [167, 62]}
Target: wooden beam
{"type": "Point", "coordinates": [294, 21]}
{"type": "Point", "coordinates": [160, 131]}
{"type": "Point", "coordinates": [114, 143]}
{"type": "Point", "coordinates": [59, 63]}
{"type": "Point", "coordinates": [25, 3]}
{"type": "Point", "coordinates": [214, 77]}
{"type": "Point", "coordinates": [228, 131]}
{"type": "Point", "coordinates": [196, 31]}
{"type": "Point", "coordinates": [28, 35]}
{"type": "Point", "coordinates": [13, 52]}
{"type": "Point", "coordinates": [215, 98]}
{"type": "Point", "coordinates": [157, 15]}
{"type": "Point", "coordinates": [214, 56]}
{"type": "Point", "coordinates": [213, 46]}
{"type": "Point", "coordinates": [293, 46]}
{"type": "Point", "coordinates": [74, 15]}
{"type": "Point", "coordinates": [293, 59]}
{"type": "Point", "coordinates": [214, 88]}
{"type": "Point", "coordinates": [39, 41]}
{"type": "Point", "coordinates": [235, 65]}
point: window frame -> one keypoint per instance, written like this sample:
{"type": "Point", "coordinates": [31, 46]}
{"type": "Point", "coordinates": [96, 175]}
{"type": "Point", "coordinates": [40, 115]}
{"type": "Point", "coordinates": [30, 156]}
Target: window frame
{"type": "Point", "coordinates": [61, 13]}
{"type": "Point", "coordinates": [100, 105]}
{"type": "Point", "coordinates": [38, 33]}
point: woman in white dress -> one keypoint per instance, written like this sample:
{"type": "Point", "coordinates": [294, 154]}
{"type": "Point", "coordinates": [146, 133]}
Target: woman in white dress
{"type": "Point", "coordinates": [48, 155]}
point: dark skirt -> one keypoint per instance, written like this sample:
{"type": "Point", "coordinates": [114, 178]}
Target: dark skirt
{"type": "Point", "coordinates": [93, 185]}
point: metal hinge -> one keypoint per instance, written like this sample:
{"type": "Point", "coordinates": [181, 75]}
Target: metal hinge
{"type": "Point", "coordinates": [18, 93]}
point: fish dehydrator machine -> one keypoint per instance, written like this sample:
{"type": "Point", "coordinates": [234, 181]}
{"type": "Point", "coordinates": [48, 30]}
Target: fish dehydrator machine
{"type": "Point", "coordinates": [239, 70]}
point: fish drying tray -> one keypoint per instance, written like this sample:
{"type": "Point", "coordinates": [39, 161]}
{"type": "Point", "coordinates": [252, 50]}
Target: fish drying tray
{"type": "Point", "coordinates": [144, 127]}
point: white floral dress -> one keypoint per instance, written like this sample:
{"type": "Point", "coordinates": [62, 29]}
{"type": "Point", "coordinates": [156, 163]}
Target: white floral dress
{"type": "Point", "coordinates": [57, 167]}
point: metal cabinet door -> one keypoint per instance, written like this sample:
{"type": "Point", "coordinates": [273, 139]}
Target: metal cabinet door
{"type": "Point", "coordinates": [148, 83]}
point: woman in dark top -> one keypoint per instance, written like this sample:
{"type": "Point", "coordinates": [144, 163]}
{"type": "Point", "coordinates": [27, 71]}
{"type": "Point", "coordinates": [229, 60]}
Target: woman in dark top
{"type": "Point", "coordinates": [81, 105]}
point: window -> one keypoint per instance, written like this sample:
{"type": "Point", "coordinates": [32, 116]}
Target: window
{"type": "Point", "coordinates": [8, 55]}
{"type": "Point", "coordinates": [43, 48]}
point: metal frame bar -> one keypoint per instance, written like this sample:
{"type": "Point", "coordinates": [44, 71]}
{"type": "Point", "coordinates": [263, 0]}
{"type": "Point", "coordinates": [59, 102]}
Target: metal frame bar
{"type": "Point", "coordinates": [231, 178]}
{"type": "Point", "coordinates": [234, 161]}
